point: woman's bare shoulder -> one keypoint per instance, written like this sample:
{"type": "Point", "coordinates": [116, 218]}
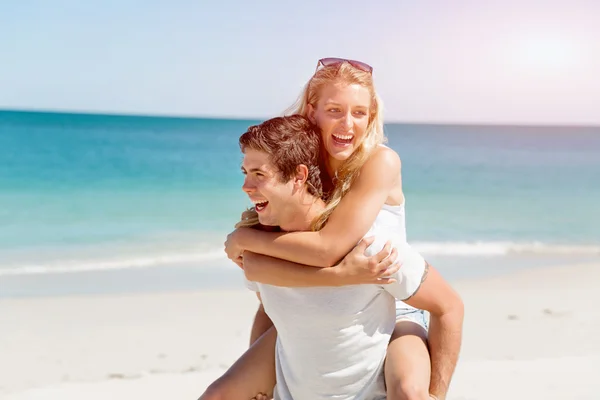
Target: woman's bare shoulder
{"type": "Point", "coordinates": [385, 158]}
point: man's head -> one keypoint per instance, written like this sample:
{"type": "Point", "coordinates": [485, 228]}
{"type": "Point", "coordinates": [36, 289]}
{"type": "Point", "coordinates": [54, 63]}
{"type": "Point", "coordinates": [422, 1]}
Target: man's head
{"type": "Point", "coordinates": [281, 164]}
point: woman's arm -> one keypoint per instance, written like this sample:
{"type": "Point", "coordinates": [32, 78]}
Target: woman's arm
{"type": "Point", "coordinates": [354, 269]}
{"type": "Point", "coordinates": [348, 223]}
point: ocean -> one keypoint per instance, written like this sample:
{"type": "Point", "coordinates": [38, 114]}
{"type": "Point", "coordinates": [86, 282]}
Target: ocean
{"type": "Point", "coordinates": [105, 203]}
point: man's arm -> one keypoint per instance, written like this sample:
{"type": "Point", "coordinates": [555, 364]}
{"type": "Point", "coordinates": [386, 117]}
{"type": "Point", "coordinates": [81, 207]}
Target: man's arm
{"type": "Point", "coordinates": [445, 331]}
{"type": "Point", "coordinates": [262, 322]}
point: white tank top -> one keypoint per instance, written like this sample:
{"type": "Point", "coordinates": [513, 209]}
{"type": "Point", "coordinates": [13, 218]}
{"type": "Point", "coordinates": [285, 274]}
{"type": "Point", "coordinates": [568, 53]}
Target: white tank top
{"type": "Point", "coordinates": [393, 219]}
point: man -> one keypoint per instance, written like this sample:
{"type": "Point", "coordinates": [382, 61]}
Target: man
{"type": "Point", "coordinates": [331, 341]}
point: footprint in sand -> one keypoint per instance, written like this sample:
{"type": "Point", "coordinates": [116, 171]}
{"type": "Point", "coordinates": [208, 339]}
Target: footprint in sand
{"type": "Point", "coordinates": [557, 314]}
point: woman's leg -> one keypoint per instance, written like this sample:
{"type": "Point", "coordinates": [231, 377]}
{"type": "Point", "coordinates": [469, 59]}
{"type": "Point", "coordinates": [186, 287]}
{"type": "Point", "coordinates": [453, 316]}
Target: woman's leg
{"type": "Point", "coordinates": [408, 365]}
{"type": "Point", "coordinates": [251, 374]}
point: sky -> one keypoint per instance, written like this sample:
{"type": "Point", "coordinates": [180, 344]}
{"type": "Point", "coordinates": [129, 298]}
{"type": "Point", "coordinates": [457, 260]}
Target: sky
{"type": "Point", "coordinates": [508, 62]}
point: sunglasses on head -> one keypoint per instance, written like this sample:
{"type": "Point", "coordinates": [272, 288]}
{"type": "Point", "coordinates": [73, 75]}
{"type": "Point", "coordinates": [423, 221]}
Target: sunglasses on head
{"type": "Point", "coordinates": [331, 61]}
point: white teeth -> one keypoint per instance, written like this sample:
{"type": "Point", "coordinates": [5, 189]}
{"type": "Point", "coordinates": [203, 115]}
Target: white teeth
{"type": "Point", "coordinates": [343, 137]}
{"type": "Point", "coordinates": [259, 206]}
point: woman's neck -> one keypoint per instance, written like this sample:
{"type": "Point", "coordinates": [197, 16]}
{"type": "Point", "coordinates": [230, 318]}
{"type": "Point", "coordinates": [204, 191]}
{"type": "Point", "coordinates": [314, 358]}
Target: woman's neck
{"type": "Point", "coordinates": [333, 166]}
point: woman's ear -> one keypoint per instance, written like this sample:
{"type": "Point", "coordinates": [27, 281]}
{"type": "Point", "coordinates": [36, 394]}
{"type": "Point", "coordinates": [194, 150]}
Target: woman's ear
{"type": "Point", "coordinates": [310, 113]}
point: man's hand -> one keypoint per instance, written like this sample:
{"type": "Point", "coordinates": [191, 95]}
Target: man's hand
{"type": "Point", "coordinates": [356, 268]}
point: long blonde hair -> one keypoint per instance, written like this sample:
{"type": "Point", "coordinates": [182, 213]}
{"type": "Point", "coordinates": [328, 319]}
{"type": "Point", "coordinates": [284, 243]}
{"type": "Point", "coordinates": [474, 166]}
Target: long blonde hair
{"type": "Point", "coordinates": [344, 74]}
{"type": "Point", "coordinates": [249, 219]}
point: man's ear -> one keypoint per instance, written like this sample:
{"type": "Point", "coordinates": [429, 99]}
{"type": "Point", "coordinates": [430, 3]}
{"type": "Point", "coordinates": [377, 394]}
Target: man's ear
{"type": "Point", "coordinates": [301, 175]}
{"type": "Point", "coordinates": [310, 113]}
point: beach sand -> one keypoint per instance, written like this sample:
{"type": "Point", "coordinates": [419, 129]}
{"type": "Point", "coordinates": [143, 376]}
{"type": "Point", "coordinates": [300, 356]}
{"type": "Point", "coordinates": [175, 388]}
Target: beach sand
{"type": "Point", "coordinates": [529, 335]}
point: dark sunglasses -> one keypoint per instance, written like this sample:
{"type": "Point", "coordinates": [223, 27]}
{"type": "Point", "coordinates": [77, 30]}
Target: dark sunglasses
{"type": "Point", "coordinates": [327, 62]}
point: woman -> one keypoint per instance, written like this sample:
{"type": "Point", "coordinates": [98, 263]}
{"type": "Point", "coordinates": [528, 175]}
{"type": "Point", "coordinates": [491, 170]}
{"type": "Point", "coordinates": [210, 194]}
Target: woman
{"type": "Point", "coordinates": [341, 99]}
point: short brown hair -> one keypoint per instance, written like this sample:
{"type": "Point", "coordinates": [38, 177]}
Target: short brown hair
{"type": "Point", "coordinates": [289, 141]}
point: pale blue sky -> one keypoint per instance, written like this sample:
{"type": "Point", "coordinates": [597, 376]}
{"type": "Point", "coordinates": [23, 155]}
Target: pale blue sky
{"type": "Point", "coordinates": [435, 61]}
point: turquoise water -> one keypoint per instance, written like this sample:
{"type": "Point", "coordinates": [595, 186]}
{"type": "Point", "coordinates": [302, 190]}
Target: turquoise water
{"type": "Point", "coordinates": [96, 192]}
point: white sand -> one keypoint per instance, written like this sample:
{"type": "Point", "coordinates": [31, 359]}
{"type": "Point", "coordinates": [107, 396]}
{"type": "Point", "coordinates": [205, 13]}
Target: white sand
{"type": "Point", "coordinates": [532, 335]}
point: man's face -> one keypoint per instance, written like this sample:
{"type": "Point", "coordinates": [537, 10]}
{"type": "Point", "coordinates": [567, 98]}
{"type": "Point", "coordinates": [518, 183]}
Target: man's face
{"type": "Point", "coordinates": [272, 198]}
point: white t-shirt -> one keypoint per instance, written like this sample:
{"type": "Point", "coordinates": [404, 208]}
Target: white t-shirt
{"type": "Point", "coordinates": [332, 341]}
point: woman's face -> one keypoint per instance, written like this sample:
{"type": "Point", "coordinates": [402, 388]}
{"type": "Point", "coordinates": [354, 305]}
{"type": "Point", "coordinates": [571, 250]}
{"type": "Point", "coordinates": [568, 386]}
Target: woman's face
{"type": "Point", "coordinates": [342, 113]}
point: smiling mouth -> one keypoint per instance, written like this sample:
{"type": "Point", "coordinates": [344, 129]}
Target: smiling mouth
{"type": "Point", "coordinates": [260, 206]}
{"type": "Point", "coordinates": [342, 139]}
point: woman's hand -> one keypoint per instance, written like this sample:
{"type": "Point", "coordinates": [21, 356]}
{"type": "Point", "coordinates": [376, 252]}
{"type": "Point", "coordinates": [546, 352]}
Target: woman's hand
{"type": "Point", "coordinates": [356, 268]}
{"type": "Point", "coordinates": [233, 246]}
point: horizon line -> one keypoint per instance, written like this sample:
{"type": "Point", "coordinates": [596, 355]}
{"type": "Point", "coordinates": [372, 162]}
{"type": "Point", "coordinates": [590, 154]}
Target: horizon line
{"type": "Point", "coordinates": [247, 118]}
